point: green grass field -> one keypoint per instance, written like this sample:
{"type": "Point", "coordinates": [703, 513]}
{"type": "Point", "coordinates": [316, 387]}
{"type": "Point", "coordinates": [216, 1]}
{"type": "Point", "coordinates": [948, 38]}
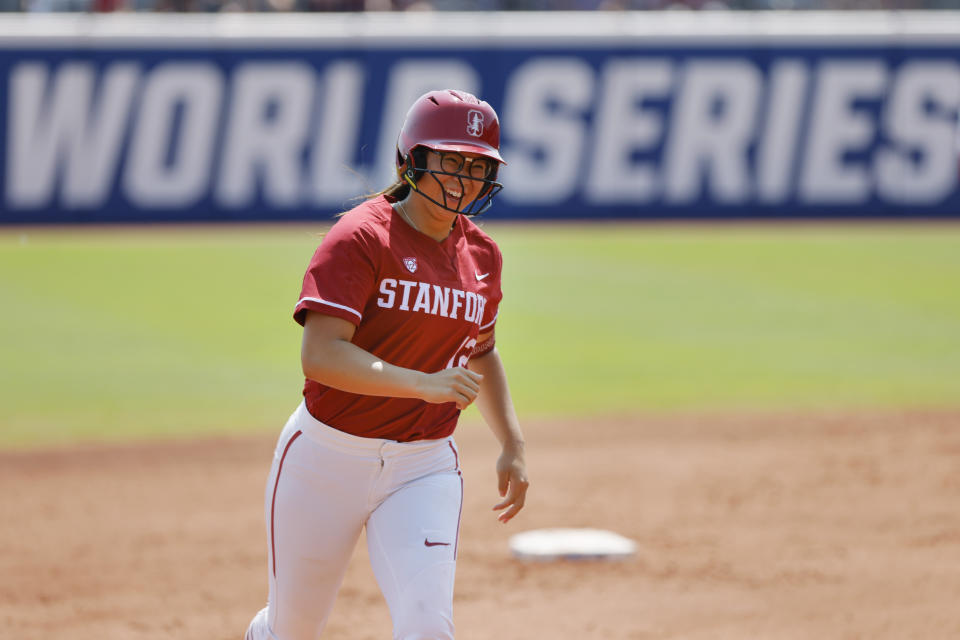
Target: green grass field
{"type": "Point", "coordinates": [151, 331]}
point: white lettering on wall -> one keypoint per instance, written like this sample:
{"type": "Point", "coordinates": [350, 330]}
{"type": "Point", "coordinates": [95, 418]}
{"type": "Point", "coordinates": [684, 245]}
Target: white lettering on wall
{"type": "Point", "coordinates": [638, 130]}
{"type": "Point", "coordinates": [66, 129]}
{"type": "Point", "coordinates": [624, 126]}
{"type": "Point", "coordinates": [776, 151]}
{"type": "Point", "coordinates": [149, 179]}
{"type": "Point", "coordinates": [915, 130]}
{"type": "Point", "coordinates": [713, 124]}
{"type": "Point", "coordinates": [334, 178]}
{"type": "Point", "coordinates": [546, 100]}
{"type": "Point", "coordinates": [837, 129]}
{"type": "Point", "coordinates": [266, 133]}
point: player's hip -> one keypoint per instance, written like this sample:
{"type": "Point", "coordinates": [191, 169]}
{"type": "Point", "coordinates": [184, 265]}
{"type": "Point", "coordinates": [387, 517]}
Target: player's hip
{"type": "Point", "coordinates": [401, 461]}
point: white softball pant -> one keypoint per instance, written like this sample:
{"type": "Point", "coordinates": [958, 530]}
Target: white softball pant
{"type": "Point", "coordinates": [324, 487]}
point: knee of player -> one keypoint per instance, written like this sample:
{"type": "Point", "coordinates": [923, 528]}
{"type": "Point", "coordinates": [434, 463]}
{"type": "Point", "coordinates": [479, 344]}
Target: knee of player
{"type": "Point", "coordinates": [425, 624]}
{"type": "Point", "coordinates": [422, 617]}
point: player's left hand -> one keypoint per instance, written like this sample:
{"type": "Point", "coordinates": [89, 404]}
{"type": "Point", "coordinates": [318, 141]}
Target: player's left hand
{"type": "Point", "coordinates": [512, 481]}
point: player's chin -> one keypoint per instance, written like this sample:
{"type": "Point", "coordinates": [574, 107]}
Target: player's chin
{"type": "Point", "coordinates": [468, 205]}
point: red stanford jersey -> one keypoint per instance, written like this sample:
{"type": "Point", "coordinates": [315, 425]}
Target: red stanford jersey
{"type": "Point", "coordinates": [417, 303]}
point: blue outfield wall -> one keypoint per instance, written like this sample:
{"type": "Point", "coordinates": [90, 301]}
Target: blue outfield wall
{"type": "Point", "coordinates": [283, 119]}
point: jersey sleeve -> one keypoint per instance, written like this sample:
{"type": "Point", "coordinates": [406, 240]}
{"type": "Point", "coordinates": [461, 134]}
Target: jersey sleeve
{"type": "Point", "coordinates": [492, 309]}
{"type": "Point", "coordinates": [341, 276]}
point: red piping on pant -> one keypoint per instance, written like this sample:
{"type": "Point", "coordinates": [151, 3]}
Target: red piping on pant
{"type": "Point", "coordinates": [273, 502]}
{"type": "Point", "coordinates": [456, 458]}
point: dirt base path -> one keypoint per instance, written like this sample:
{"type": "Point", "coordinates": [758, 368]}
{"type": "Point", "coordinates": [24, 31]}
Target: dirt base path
{"type": "Point", "coordinates": [762, 526]}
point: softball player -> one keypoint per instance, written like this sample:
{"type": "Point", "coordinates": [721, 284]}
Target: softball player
{"type": "Point", "coordinates": [398, 306]}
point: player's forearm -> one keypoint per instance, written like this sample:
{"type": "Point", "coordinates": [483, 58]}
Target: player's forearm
{"type": "Point", "coordinates": [494, 401]}
{"type": "Point", "coordinates": [345, 366]}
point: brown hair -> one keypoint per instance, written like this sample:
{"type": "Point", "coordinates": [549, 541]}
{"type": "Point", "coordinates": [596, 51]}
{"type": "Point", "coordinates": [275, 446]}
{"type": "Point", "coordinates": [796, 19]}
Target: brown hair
{"type": "Point", "coordinates": [396, 191]}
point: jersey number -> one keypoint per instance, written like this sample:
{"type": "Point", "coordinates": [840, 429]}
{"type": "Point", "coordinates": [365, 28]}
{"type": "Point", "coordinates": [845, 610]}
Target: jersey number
{"type": "Point", "coordinates": [462, 355]}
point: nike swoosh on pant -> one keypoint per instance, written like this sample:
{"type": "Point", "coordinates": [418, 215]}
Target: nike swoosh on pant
{"type": "Point", "coordinates": [427, 543]}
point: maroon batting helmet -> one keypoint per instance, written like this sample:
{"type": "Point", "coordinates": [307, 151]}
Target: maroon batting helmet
{"type": "Point", "coordinates": [451, 121]}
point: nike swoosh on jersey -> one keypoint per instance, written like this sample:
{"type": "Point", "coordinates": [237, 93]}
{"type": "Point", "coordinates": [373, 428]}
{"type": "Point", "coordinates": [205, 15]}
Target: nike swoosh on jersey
{"type": "Point", "coordinates": [427, 543]}
{"type": "Point", "coordinates": [480, 277]}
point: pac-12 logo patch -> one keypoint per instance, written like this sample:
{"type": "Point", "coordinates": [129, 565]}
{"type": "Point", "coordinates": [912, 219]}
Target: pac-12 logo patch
{"type": "Point", "coordinates": [410, 264]}
{"type": "Point", "coordinates": [475, 123]}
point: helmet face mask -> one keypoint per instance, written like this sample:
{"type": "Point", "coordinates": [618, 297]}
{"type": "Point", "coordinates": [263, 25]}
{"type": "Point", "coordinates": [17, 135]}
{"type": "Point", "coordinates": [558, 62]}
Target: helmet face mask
{"type": "Point", "coordinates": [451, 123]}
{"type": "Point", "coordinates": [415, 169]}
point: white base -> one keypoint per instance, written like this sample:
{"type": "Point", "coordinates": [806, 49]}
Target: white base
{"type": "Point", "coordinates": [571, 544]}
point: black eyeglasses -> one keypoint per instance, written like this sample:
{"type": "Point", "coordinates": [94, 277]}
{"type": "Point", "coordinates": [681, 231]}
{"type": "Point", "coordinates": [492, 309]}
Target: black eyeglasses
{"type": "Point", "coordinates": [452, 162]}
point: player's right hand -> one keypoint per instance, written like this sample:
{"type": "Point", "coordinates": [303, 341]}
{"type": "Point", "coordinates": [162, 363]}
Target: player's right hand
{"type": "Point", "coordinates": [456, 384]}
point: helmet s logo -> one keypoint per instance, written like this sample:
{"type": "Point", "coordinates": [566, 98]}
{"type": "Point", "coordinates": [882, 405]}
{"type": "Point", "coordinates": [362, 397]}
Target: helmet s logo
{"type": "Point", "coordinates": [475, 123]}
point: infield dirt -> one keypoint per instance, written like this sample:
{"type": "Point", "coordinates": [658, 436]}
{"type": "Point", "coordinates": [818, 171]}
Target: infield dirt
{"type": "Point", "coordinates": [755, 526]}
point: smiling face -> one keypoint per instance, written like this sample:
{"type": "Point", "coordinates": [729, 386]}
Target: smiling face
{"type": "Point", "coordinates": [455, 179]}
